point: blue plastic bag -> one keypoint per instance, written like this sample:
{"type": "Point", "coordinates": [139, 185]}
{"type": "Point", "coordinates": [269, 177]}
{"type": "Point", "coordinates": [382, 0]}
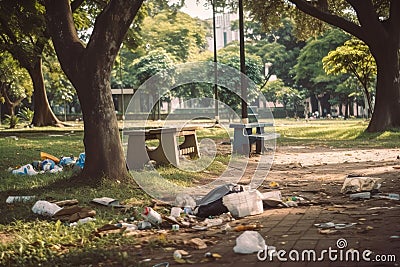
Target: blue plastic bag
{"type": "Point", "coordinates": [81, 161]}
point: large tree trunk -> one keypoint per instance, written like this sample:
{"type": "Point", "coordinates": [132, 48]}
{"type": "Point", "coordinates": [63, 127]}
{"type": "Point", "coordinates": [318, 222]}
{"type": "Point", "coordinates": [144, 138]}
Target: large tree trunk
{"type": "Point", "coordinates": [387, 102]}
{"type": "Point", "coordinates": [383, 39]}
{"type": "Point", "coordinates": [43, 115]}
{"type": "Point", "coordinates": [89, 69]}
{"type": "Point", "coordinates": [104, 153]}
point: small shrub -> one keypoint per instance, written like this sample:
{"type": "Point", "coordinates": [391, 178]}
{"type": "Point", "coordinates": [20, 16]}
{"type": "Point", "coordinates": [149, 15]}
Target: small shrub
{"type": "Point", "coordinates": [11, 120]}
{"type": "Point", "coordinates": [26, 114]}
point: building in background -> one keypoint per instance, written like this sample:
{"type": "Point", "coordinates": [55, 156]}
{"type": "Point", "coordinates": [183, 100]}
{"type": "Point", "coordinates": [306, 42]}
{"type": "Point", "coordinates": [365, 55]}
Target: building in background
{"type": "Point", "coordinates": [224, 32]}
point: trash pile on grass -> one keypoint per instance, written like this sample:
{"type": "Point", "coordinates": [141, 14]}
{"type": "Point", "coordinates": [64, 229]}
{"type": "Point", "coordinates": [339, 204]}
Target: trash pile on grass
{"type": "Point", "coordinates": [50, 164]}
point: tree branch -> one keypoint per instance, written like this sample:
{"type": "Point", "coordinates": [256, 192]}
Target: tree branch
{"type": "Point", "coordinates": [5, 94]}
{"type": "Point", "coordinates": [329, 18]}
{"type": "Point", "coordinates": [367, 17]}
{"type": "Point", "coordinates": [120, 13]}
{"type": "Point", "coordinates": [61, 25]}
{"type": "Point", "coordinates": [76, 4]}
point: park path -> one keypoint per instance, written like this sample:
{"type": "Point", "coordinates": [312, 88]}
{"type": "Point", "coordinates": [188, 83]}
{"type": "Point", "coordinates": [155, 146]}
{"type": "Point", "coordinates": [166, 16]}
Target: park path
{"type": "Point", "coordinates": [317, 174]}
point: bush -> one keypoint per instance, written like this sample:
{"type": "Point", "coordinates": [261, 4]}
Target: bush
{"type": "Point", "coordinates": [26, 114]}
{"type": "Point", "coordinates": [12, 121]}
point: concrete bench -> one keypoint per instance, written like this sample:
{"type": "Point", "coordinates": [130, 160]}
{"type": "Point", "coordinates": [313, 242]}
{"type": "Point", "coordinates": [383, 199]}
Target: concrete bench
{"type": "Point", "coordinates": [168, 150]}
{"type": "Point", "coordinates": [245, 135]}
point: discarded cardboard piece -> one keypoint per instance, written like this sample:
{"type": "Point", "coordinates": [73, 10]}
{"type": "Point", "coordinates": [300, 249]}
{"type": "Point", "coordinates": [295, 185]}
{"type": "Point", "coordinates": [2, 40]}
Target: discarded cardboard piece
{"type": "Point", "coordinates": [66, 214]}
{"type": "Point", "coordinates": [73, 214]}
{"type": "Point", "coordinates": [109, 202]}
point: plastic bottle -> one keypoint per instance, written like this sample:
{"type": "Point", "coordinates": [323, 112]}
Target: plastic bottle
{"type": "Point", "coordinates": [152, 216]}
{"type": "Point", "coordinates": [362, 195]}
{"type": "Point", "coordinates": [394, 196]}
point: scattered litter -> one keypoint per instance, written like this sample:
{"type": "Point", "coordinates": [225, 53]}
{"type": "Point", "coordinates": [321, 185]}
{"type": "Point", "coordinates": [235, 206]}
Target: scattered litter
{"type": "Point", "coordinates": [12, 137]}
{"type": "Point", "coordinates": [67, 161]}
{"type": "Point", "coordinates": [200, 227]}
{"type": "Point", "coordinates": [273, 185]}
{"type": "Point", "coordinates": [272, 195]}
{"type": "Point", "coordinates": [249, 242]}
{"type": "Point", "coordinates": [44, 156]}
{"type": "Point", "coordinates": [240, 228]}
{"type": "Point", "coordinates": [359, 184]}
{"type": "Point", "coordinates": [143, 225]}
{"type": "Point", "coordinates": [391, 196]}
{"type": "Point", "coordinates": [212, 255]}
{"type": "Point", "coordinates": [362, 195]}
{"type": "Point", "coordinates": [73, 213]}
{"type": "Point", "coordinates": [128, 226]}
{"type": "Point", "coordinates": [188, 210]}
{"type": "Point", "coordinates": [329, 225]}
{"type": "Point", "coordinates": [82, 221]}
{"type": "Point", "coordinates": [13, 199]}
{"type": "Point", "coordinates": [108, 229]}
{"type": "Point", "coordinates": [80, 163]}
{"type": "Point", "coordinates": [184, 200]}
{"type": "Point", "coordinates": [197, 243]}
{"type": "Point", "coordinates": [152, 216]}
{"type": "Point", "coordinates": [325, 225]}
{"type": "Point", "coordinates": [244, 203]}
{"type": "Point", "coordinates": [175, 227]}
{"type": "Point", "coordinates": [176, 212]}
{"type": "Point", "coordinates": [180, 256]}
{"type": "Point", "coordinates": [68, 202]}
{"type": "Point", "coordinates": [226, 228]}
{"type": "Point", "coordinates": [213, 222]}
{"type": "Point", "coordinates": [211, 204]}
{"type": "Point", "coordinates": [327, 231]}
{"type": "Point", "coordinates": [25, 170]}
{"type": "Point", "coordinates": [394, 237]}
{"type": "Point", "coordinates": [46, 208]}
{"type": "Point", "coordinates": [162, 264]}
{"type": "Point", "coordinates": [272, 198]}
{"type": "Point", "coordinates": [49, 164]}
{"type": "Point", "coordinates": [109, 202]}
{"type": "Point", "coordinates": [290, 203]}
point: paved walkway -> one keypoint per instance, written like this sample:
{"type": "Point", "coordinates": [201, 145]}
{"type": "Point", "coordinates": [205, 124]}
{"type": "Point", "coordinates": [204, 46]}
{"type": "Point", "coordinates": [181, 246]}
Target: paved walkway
{"type": "Point", "coordinates": [293, 229]}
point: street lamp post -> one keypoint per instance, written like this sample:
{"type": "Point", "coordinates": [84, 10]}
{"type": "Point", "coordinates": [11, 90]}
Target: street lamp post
{"type": "Point", "coordinates": [215, 66]}
{"type": "Point", "coordinates": [243, 82]}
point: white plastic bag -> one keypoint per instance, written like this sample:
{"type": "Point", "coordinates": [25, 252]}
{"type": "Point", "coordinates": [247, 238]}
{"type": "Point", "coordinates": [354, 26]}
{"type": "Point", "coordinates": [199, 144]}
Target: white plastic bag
{"type": "Point", "coordinates": [244, 203]}
{"type": "Point", "coordinates": [25, 170]}
{"type": "Point", "coordinates": [249, 242]}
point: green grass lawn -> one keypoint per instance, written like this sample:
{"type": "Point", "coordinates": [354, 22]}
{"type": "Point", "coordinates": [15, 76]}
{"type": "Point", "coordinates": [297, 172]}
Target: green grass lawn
{"type": "Point", "coordinates": [31, 240]}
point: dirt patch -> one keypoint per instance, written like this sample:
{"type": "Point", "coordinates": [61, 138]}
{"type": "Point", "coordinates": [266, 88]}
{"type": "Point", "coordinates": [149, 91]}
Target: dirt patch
{"type": "Point", "coordinates": [6, 238]}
